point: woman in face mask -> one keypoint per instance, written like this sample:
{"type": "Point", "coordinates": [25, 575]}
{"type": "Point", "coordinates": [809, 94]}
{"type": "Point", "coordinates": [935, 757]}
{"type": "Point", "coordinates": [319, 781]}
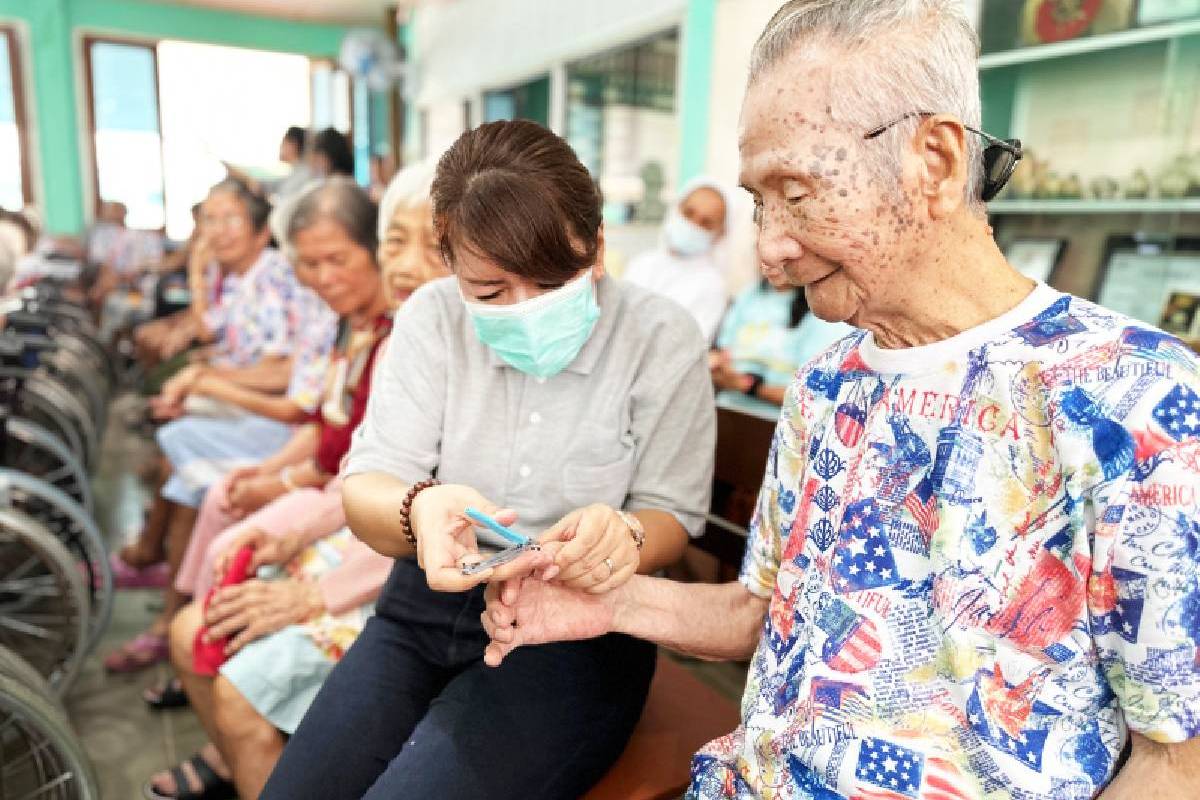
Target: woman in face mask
{"type": "Point", "coordinates": [574, 410]}
{"type": "Point", "coordinates": [684, 267]}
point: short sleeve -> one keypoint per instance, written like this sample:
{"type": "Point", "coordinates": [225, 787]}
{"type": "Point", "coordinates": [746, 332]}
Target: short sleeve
{"type": "Point", "coordinates": [277, 312]}
{"type": "Point", "coordinates": [310, 364]}
{"type": "Point", "coordinates": [777, 506]}
{"type": "Point", "coordinates": [676, 419]}
{"type": "Point", "coordinates": [1144, 592]}
{"type": "Point", "coordinates": [401, 432]}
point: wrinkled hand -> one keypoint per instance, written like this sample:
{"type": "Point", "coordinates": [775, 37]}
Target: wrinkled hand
{"type": "Point", "coordinates": [528, 611]}
{"type": "Point", "coordinates": [254, 609]}
{"type": "Point", "coordinates": [592, 535]}
{"type": "Point", "coordinates": [251, 493]}
{"type": "Point", "coordinates": [268, 551]}
{"type": "Point", "coordinates": [446, 538]}
{"type": "Point", "coordinates": [163, 409]}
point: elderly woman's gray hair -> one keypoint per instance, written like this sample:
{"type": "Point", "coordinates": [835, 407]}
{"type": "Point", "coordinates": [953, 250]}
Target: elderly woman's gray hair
{"type": "Point", "coordinates": [894, 57]}
{"type": "Point", "coordinates": [410, 187]}
{"type": "Point", "coordinates": [344, 202]}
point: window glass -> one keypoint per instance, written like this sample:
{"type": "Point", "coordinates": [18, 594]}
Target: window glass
{"type": "Point", "coordinates": [529, 101]}
{"type": "Point", "coordinates": [128, 145]}
{"type": "Point", "coordinates": [12, 191]}
{"type": "Point", "coordinates": [622, 121]}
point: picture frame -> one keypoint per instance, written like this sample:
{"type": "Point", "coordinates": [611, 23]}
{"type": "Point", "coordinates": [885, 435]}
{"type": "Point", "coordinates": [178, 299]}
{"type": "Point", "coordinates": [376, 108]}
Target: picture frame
{"type": "Point", "coordinates": [1156, 12]}
{"type": "Point", "coordinates": [1152, 280]}
{"type": "Point", "coordinates": [1035, 257]}
{"type": "Point", "coordinates": [1049, 21]}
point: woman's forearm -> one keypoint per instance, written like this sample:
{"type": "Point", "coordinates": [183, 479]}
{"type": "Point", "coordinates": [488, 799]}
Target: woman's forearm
{"type": "Point", "coordinates": [665, 542]}
{"type": "Point", "coordinates": [1160, 771]}
{"type": "Point", "coordinates": [718, 622]}
{"type": "Point", "coordinates": [271, 406]}
{"type": "Point", "coordinates": [372, 502]}
{"type": "Point", "coordinates": [270, 374]}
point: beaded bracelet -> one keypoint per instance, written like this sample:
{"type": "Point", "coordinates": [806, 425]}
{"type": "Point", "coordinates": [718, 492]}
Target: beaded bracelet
{"type": "Point", "coordinates": [406, 508]}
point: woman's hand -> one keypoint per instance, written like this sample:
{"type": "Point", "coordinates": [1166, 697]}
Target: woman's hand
{"type": "Point", "coordinates": [254, 609]}
{"type": "Point", "coordinates": [268, 551]}
{"type": "Point", "coordinates": [724, 376]}
{"type": "Point", "coordinates": [446, 538]}
{"type": "Point", "coordinates": [600, 553]}
{"type": "Point", "coordinates": [249, 494]}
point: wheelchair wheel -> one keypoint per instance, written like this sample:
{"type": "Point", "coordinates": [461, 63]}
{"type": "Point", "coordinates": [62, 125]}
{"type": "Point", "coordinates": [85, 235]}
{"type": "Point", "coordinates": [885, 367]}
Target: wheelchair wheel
{"type": "Point", "coordinates": [36, 451]}
{"type": "Point", "coordinates": [36, 407]}
{"type": "Point", "coordinates": [73, 527]}
{"type": "Point", "coordinates": [40, 756]}
{"type": "Point", "coordinates": [43, 604]}
{"type": "Point", "coordinates": [51, 405]}
{"type": "Point", "coordinates": [17, 668]}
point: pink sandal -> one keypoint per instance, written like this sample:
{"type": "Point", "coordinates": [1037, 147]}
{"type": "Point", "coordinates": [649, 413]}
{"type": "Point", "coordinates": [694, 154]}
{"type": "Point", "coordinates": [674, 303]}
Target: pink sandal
{"type": "Point", "coordinates": [125, 576]}
{"type": "Point", "coordinates": [144, 650]}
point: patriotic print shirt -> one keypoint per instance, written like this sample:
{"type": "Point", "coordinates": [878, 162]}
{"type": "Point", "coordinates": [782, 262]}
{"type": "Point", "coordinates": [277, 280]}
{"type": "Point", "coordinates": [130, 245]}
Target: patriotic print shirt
{"type": "Point", "coordinates": [981, 560]}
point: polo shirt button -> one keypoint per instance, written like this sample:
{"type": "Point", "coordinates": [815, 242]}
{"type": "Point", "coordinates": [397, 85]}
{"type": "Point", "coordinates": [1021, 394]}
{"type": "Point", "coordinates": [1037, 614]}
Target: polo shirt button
{"type": "Point", "coordinates": [525, 471]}
{"type": "Point", "coordinates": [535, 418]}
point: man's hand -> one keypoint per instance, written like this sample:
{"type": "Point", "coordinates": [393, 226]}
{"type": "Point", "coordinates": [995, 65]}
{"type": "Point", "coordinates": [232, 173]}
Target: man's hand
{"type": "Point", "coordinates": [1157, 772]}
{"type": "Point", "coordinates": [257, 608]}
{"type": "Point", "coordinates": [446, 537]}
{"type": "Point", "coordinates": [527, 611]}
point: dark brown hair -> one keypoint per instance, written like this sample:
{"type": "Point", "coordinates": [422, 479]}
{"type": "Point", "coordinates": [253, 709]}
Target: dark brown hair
{"type": "Point", "coordinates": [515, 193]}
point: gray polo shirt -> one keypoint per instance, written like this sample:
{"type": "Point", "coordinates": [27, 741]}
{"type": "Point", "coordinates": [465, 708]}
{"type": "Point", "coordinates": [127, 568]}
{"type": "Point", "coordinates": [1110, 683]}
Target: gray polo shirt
{"type": "Point", "coordinates": [629, 423]}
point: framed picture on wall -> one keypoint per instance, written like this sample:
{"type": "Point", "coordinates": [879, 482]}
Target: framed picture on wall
{"type": "Point", "coordinates": [1036, 258]}
{"type": "Point", "coordinates": [1047, 21]}
{"type": "Point", "coordinates": [1152, 12]}
{"type": "Point", "coordinates": [1151, 279]}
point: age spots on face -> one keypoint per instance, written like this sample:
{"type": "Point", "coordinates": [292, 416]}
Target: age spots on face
{"type": "Point", "coordinates": [841, 154]}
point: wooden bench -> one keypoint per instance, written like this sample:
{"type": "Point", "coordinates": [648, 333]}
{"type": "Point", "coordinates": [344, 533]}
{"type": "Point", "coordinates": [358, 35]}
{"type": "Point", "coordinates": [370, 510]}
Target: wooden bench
{"type": "Point", "coordinates": [682, 714]}
{"type": "Point", "coordinates": [743, 444]}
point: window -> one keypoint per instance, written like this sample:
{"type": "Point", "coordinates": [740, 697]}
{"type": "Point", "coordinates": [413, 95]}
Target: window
{"type": "Point", "coordinates": [622, 123]}
{"type": "Point", "coordinates": [14, 152]}
{"type": "Point", "coordinates": [525, 101]}
{"type": "Point", "coordinates": [167, 115]}
{"type": "Point", "coordinates": [123, 78]}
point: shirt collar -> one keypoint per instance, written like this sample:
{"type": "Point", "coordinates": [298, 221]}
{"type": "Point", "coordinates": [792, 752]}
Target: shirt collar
{"type": "Point", "coordinates": [608, 297]}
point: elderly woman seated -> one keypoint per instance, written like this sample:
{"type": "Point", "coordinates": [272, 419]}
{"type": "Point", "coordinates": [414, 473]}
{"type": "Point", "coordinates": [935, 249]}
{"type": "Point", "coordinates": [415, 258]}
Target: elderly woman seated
{"type": "Point", "coordinates": [267, 331]}
{"type": "Point", "coordinates": [286, 635]}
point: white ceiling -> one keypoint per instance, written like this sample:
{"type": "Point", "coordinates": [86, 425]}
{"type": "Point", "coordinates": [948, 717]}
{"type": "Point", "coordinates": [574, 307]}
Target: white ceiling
{"type": "Point", "coordinates": [361, 12]}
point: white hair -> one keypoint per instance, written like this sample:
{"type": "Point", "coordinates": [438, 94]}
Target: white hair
{"type": "Point", "coordinates": [410, 187]}
{"type": "Point", "coordinates": [893, 57]}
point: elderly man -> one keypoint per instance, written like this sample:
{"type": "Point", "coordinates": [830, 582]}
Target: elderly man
{"type": "Point", "coordinates": [973, 568]}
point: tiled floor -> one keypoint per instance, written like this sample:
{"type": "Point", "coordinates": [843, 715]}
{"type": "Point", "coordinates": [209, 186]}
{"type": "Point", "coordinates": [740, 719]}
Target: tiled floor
{"type": "Point", "coordinates": [126, 740]}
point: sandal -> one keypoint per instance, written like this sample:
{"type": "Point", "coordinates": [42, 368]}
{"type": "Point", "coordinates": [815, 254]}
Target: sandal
{"type": "Point", "coordinates": [212, 785]}
{"type": "Point", "coordinates": [144, 650]}
{"type": "Point", "coordinates": [166, 695]}
{"type": "Point", "coordinates": [129, 577]}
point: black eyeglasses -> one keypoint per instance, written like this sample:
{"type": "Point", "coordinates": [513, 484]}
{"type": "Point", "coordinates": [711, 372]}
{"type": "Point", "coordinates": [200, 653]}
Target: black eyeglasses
{"type": "Point", "coordinates": [1000, 157]}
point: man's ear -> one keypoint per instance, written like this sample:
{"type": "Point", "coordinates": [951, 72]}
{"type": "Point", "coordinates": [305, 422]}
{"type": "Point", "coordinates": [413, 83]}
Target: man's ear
{"type": "Point", "coordinates": [941, 144]}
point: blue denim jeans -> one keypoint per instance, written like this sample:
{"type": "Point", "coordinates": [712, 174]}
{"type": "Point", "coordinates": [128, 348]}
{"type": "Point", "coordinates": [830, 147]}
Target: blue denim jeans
{"type": "Point", "coordinates": [413, 712]}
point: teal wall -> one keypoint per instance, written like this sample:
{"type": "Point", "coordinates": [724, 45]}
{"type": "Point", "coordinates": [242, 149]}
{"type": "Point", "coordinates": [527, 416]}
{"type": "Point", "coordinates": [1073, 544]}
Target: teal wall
{"type": "Point", "coordinates": [50, 49]}
{"type": "Point", "coordinates": [699, 32]}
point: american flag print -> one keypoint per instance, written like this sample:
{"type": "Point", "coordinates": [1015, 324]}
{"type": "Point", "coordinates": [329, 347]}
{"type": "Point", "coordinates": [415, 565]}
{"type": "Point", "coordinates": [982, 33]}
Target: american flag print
{"type": "Point", "coordinates": [887, 771]}
{"type": "Point", "coordinates": [1000, 572]}
{"type": "Point", "coordinates": [863, 558]}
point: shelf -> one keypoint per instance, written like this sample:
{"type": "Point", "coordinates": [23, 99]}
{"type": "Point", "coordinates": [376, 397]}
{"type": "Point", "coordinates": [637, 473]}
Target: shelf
{"type": "Point", "coordinates": [1187, 206]}
{"type": "Point", "coordinates": [1090, 44]}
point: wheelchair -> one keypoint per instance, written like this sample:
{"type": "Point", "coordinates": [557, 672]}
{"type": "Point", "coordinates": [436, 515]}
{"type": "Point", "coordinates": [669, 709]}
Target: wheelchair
{"type": "Point", "coordinates": [56, 584]}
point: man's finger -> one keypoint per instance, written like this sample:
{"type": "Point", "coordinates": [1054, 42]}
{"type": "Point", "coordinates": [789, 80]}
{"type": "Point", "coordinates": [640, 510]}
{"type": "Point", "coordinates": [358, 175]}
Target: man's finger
{"type": "Point", "coordinates": [619, 577]}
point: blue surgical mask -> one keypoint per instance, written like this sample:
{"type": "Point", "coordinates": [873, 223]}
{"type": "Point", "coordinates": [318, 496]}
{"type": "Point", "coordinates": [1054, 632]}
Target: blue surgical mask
{"type": "Point", "coordinates": [541, 336]}
{"type": "Point", "coordinates": [686, 237]}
